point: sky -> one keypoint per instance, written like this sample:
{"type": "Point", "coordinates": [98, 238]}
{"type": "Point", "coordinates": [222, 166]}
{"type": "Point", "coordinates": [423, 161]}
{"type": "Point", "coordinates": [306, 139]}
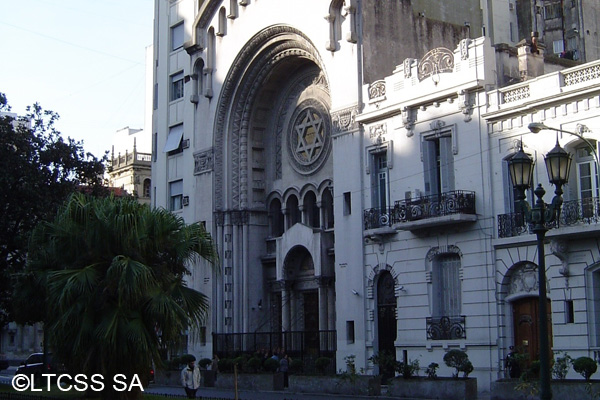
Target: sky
{"type": "Point", "coordinates": [83, 59]}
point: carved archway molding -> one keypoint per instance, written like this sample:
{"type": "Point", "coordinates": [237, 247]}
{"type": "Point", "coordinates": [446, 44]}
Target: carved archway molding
{"type": "Point", "coordinates": [249, 71]}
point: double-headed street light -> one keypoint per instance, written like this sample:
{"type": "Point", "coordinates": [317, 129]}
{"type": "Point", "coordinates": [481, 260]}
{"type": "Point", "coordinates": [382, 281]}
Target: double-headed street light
{"type": "Point", "coordinates": [535, 127]}
{"type": "Point", "coordinates": [558, 163]}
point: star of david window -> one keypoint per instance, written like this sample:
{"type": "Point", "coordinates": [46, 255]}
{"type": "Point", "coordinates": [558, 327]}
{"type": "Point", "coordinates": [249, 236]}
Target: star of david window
{"type": "Point", "coordinates": [309, 138]}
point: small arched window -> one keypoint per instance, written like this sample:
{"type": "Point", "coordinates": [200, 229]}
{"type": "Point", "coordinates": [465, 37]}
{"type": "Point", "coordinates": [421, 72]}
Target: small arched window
{"type": "Point", "coordinates": [327, 205]}
{"type": "Point", "coordinates": [311, 210]}
{"type": "Point", "coordinates": [147, 185]}
{"type": "Point", "coordinates": [276, 218]}
{"type": "Point", "coordinates": [293, 211]}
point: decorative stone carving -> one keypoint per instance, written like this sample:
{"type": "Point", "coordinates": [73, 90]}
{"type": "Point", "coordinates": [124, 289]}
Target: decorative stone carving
{"type": "Point", "coordinates": [219, 218]}
{"type": "Point", "coordinates": [309, 137]}
{"type": "Point", "coordinates": [465, 104]}
{"type": "Point", "coordinates": [409, 117]}
{"type": "Point", "coordinates": [436, 251]}
{"type": "Point", "coordinates": [203, 161]}
{"type": "Point", "coordinates": [408, 67]}
{"type": "Point", "coordinates": [524, 279]}
{"type": "Point", "coordinates": [437, 125]}
{"type": "Point", "coordinates": [436, 61]}
{"type": "Point", "coordinates": [464, 48]}
{"type": "Point", "coordinates": [377, 90]}
{"type": "Point", "coordinates": [377, 133]}
{"type": "Point", "coordinates": [560, 248]}
{"type": "Point", "coordinates": [344, 120]}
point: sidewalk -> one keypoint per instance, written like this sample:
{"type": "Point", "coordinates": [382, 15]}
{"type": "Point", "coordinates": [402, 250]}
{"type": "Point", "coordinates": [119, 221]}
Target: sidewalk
{"type": "Point", "coordinates": [271, 395]}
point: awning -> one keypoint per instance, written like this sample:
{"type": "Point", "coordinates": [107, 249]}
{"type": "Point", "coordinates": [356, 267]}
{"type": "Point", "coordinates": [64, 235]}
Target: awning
{"type": "Point", "coordinates": [174, 139]}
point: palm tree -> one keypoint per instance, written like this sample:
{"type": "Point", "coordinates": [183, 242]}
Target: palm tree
{"type": "Point", "coordinates": [112, 274]}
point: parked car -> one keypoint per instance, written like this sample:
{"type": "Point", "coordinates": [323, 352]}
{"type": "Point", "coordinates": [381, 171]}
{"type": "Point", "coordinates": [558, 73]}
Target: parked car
{"type": "Point", "coordinates": [34, 365]}
{"type": "Point", "coordinates": [3, 365]}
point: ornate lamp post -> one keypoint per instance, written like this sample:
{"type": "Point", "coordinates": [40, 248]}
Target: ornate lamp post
{"type": "Point", "coordinates": [535, 127]}
{"type": "Point", "coordinates": [558, 163]}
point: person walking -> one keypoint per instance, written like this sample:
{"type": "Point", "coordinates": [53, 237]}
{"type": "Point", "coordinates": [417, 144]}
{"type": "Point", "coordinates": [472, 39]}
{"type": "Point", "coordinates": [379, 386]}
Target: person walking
{"type": "Point", "coordinates": [190, 379]}
{"type": "Point", "coordinates": [214, 366]}
{"type": "Point", "coordinates": [284, 364]}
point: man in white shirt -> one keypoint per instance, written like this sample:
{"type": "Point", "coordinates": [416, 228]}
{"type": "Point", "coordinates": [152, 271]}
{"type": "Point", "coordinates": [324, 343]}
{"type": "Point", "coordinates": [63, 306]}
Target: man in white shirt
{"type": "Point", "coordinates": [190, 379]}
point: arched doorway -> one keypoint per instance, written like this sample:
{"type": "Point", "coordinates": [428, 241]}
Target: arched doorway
{"type": "Point", "coordinates": [300, 306]}
{"type": "Point", "coordinates": [386, 315]}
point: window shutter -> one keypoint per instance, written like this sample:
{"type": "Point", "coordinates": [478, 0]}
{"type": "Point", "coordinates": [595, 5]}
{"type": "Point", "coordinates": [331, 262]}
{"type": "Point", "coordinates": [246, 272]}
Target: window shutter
{"type": "Point", "coordinates": [430, 167]}
{"type": "Point", "coordinates": [446, 164]}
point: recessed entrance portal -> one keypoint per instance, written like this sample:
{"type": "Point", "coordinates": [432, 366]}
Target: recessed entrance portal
{"type": "Point", "coordinates": [526, 323]}
{"type": "Point", "coordinates": [386, 314]}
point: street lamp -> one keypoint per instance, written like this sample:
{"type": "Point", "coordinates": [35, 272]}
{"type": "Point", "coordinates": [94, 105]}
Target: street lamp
{"type": "Point", "coordinates": [535, 127]}
{"type": "Point", "coordinates": [558, 163]}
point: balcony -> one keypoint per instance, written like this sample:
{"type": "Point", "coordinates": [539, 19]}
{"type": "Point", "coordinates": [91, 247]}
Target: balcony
{"type": "Point", "coordinates": [449, 208]}
{"type": "Point", "coordinates": [446, 328]}
{"type": "Point", "coordinates": [572, 213]}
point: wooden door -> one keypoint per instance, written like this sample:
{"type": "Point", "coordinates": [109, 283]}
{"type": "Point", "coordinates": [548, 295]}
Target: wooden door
{"type": "Point", "coordinates": [525, 323]}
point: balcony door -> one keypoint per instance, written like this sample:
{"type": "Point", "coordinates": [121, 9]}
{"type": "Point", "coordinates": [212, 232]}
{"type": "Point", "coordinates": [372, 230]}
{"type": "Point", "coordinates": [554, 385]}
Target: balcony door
{"type": "Point", "coordinates": [587, 180]}
{"type": "Point", "coordinates": [381, 185]}
{"type": "Point", "coordinates": [438, 163]}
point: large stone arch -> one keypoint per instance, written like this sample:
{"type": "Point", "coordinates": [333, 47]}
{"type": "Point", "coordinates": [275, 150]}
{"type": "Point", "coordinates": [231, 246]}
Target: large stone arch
{"type": "Point", "coordinates": [261, 62]}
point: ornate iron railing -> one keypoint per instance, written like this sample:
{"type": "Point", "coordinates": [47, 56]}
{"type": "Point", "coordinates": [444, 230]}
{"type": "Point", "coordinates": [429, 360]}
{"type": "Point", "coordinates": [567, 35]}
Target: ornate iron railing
{"type": "Point", "coordinates": [378, 217]}
{"type": "Point", "coordinates": [573, 212]}
{"type": "Point", "coordinates": [295, 343]}
{"type": "Point", "coordinates": [453, 202]}
{"type": "Point", "coordinates": [446, 328]}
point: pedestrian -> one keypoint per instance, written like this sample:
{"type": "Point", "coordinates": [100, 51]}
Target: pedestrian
{"type": "Point", "coordinates": [284, 365]}
{"type": "Point", "coordinates": [214, 365]}
{"type": "Point", "coordinates": [190, 379]}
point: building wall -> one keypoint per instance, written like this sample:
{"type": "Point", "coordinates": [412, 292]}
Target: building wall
{"type": "Point", "coordinates": [249, 69]}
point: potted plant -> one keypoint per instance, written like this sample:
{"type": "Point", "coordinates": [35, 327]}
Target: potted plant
{"type": "Point", "coordinates": [585, 366]}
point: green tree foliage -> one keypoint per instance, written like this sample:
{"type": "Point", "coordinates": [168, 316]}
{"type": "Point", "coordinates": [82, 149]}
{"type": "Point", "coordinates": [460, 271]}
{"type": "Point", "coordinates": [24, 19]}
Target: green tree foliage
{"type": "Point", "coordinates": [38, 171]}
{"type": "Point", "coordinates": [111, 272]}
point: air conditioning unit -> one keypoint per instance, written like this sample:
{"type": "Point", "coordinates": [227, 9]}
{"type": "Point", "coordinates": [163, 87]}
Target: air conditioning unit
{"type": "Point", "coordinates": [185, 143]}
{"type": "Point", "coordinates": [511, 6]}
{"type": "Point", "coordinates": [186, 200]}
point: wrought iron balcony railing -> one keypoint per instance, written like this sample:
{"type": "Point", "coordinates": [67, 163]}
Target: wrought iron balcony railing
{"type": "Point", "coordinates": [446, 328]}
{"type": "Point", "coordinates": [453, 202]}
{"type": "Point", "coordinates": [379, 217]}
{"type": "Point", "coordinates": [573, 212]}
{"type": "Point", "coordinates": [420, 208]}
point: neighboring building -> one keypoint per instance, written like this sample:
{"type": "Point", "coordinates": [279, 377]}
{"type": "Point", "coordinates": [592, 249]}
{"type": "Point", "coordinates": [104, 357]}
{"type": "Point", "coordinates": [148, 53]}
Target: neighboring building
{"type": "Point", "coordinates": [130, 170]}
{"type": "Point", "coordinates": [349, 171]}
{"type": "Point", "coordinates": [130, 157]}
{"type": "Point", "coordinates": [568, 28]}
{"type": "Point", "coordinates": [568, 100]}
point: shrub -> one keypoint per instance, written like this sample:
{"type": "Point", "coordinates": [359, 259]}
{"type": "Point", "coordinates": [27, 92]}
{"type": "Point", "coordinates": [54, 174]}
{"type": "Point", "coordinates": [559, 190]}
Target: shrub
{"type": "Point", "coordinates": [226, 365]}
{"type": "Point", "coordinates": [187, 358]}
{"type": "Point", "coordinates": [431, 370]}
{"type": "Point", "coordinates": [409, 369]}
{"type": "Point", "coordinates": [585, 366]}
{"type": "Point", "coordinates": [296, 366]}
{"type": "Point", "coordinates": [561, 366]}
{"type": "Point", "coordinates": [459, 360]}
{"type": "Point", "coordinates": [240, 362]}
{"type": "Point", "coordinates": [350, 364]}
{"type": "Point", "coordinates": [386, 362]}
{"type": "Point", "coordinates": [531, 373]}
{"type": "Point", "coordinates": [253, 365]}
{"type": "Point", "coordinates": [322, 363]}
{"type": "Point", "coordinates": [271, 365]}
{"type": "Point", "coordinates": [204, 362]}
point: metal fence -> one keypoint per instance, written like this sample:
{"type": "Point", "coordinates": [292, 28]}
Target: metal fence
{"type": "Point", "coordinates": [303, 345]}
